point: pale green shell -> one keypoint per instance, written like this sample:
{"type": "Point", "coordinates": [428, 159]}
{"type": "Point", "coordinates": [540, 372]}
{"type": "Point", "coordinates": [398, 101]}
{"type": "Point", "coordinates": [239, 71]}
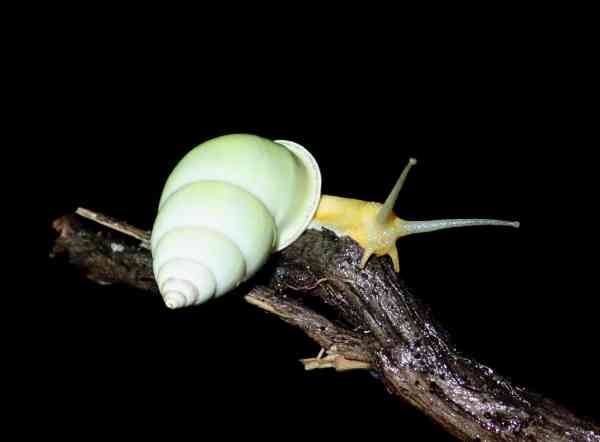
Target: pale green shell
{"type": "Point", "coordinates": [227, 205]}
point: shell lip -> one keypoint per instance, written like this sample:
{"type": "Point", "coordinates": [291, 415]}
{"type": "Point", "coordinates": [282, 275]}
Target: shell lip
{"type": "Point", "coordinates": [311, 198]}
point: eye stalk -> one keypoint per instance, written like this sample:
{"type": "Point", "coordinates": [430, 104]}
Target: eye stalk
{"type": "Point", "coordinates": [388, 206]}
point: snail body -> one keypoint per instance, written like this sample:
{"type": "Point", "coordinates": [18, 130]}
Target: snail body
{"type": "Point", "coordinates": [376, 227]}
{"type": "Point", "coordinates": [235, 199]}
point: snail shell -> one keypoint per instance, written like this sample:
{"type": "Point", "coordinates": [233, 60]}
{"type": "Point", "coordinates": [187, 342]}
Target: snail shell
{"type": "Point", "coordinates": [227, 205]}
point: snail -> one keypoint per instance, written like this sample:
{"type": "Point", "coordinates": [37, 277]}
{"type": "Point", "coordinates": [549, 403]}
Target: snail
{"type": "Point", "coordinates": [234, 200]}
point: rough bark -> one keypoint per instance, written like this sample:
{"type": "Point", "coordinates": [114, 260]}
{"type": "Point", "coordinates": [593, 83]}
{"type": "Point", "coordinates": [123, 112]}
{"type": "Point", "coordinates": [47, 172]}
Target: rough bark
{"type": "Point", "coordinates": [363, 319]}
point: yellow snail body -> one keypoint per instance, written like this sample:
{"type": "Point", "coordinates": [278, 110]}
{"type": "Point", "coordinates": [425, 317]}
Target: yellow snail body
{"type": "Point", "coordinates": [235, 199]}
{"type": "Point", "coordinates": [376, 227]}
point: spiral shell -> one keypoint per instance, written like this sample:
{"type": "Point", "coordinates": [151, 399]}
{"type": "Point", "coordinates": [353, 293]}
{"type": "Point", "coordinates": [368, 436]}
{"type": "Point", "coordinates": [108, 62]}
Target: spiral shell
{"type": "Point", "coordinates": [227, 205]}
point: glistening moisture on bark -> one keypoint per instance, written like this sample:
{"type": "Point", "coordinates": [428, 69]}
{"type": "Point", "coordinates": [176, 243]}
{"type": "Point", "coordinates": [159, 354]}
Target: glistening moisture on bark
{"type": "Point", "coordinates": [363, 318]}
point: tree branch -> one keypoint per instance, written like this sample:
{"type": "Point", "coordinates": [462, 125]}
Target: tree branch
{"type": "Point", "coordinates": [364, 319]}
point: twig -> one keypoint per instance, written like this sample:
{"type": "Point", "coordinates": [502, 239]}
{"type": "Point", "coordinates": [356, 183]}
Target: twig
{"type": "Point", "coordinates": [372, 321]}
{"type": "Point", "coordinates": [338, 362]}
{"type": "Point", "coordinates": [119, 226]}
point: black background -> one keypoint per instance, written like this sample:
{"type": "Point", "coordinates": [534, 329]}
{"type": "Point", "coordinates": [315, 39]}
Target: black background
{"type": "Point", "coordinates": [497, 131]}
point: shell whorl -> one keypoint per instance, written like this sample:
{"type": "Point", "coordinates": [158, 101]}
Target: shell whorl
{"type": "Point", "coordinates": [222, 233]}
{"type": "Point", "coordinates": [219, 220]}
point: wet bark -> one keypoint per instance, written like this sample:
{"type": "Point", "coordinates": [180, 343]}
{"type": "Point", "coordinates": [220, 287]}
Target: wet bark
{"type": "Point", "coordinates": [363, 318]}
